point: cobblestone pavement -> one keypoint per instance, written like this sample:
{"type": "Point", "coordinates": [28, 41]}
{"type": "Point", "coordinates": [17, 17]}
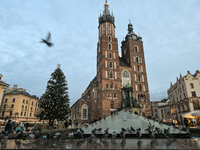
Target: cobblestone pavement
{"type": "Point", "coordinates": [104, 144]}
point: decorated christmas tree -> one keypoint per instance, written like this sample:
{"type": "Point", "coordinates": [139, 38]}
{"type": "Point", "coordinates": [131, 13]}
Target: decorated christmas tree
{"type": "Point", "coordinates": [55, 101]}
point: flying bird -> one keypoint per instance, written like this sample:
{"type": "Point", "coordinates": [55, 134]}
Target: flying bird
{"type": "Point", "coordinates": [47, 41]}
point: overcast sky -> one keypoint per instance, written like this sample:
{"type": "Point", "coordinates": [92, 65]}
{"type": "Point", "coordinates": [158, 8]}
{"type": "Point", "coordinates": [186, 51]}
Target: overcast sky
{"type": "Point", "coordinates": [170, 30]}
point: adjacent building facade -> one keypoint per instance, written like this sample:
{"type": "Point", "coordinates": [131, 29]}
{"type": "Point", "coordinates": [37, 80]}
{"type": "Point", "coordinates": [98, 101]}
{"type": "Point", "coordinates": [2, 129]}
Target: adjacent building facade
{"type": "Point", "coordinates": [19, 105]}
{"type": "Point", "coordinates": [3, 86]}
{"type": "Point", "coordinates": [120, 81]}
{"type": "Point", "coordinates": [183, 98]}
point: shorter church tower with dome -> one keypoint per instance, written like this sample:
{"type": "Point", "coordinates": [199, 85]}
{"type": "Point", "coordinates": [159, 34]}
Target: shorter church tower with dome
{"type": "Point", "coordinates": [120, 82]}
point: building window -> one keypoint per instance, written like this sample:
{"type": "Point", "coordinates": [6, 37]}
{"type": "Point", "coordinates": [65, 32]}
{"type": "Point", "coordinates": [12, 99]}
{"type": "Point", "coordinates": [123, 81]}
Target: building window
{"type": "Point", "coordinates": [24, 113]}
{"type": "Point", "coordinates": [182, 87]}
{"type": "Point", "coordinates": [10, 113]}
{"type": "Point", "coordinates": [112, 105]}
{"type": "Point", "coordinates": [109, 38]}
{"type": "Point", "coordinates": [115, 96]}
{"type": "Point", "coordinates": [35, 104]}
{"type": "Point", "coordinates": [139, 78]}
{"type": "Point", "coordinates": [12, 106]}
{"type": "Point", "coordinates": [26, 101]}
{"type": "Point", "coordinates": [31, 108]}
{"type": "Point", "coordinates": [84, 113]}
{"type": "Point", "coordinates": [184, 95]}
{"type": "Point", "coordinates": [114, 55]}
{"type": "Point", "coordinates": [106, 84]}
{"type": "Point", "coordinates": [191, 85]}
{"type": "Point", "coordinates": [136, 49]}
{"type": "Point", "coordinates": [111, 65]}
{"type": "Point", "coordinates": [193, 94]}
{"type": "Point", "coordinates": [180, 97]}
{"type": "Point", "coordinates": [35, 109]}
{"type": "Point", "coordinates": [32, 103]}
{"type": "Point", "coordinates": [140, 87]}
{"type": "Point", "coordinates": [21, 113]}
{"type": "Point", "coordinates": [137, 60]}
{"type": "Point", "coordinates": [106, 54]}
{"type": "Point", "coordinates": [138, 68]}
{"type": "Point", "coordinates": [155, 110]}
{"type": "Point", "coordinates": [111, 85]}
{"type": "Point", "coordinates": [106, 64]}
{"type": "Point", "coordinates": [111, 74]}
{"type": "Point", "coordinates": [4, 106]}
{"type": "Point", "coordinates": [13, 100]}
{"type": "Point", "coordinates": [108, 96]}
{"type": "Point", "coordinates": [110, 55]}
{"type": "Point", "coordinates": [26, 107]}
{"type": "Point", "coordinates": [22, 106]}
{"type": "Point", "coordinates": [109, 46]}
{"type": "Point", "coordinates": [23, 100]}
{"type": "Point", "coordinates": [6, 100]}
{"type": "Point", "coordinates": [30, 114]}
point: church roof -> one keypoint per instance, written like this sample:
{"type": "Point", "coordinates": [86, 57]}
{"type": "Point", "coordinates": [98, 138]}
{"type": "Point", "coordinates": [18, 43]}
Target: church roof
{"type": "Point", "coordinates": [123, 63]}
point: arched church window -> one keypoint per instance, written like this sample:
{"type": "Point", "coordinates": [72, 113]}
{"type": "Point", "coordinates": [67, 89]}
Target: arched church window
{"type": "Point", "coordinates": [115, 95]}
{"type": "Point", "coordinates": [110, 55]}
{"type": "Point", "coordinates": [109, 46]}
{"type": "Point", "coordinates": [111, 65]}
{"type": "Point", "coordinates": [111, 85]}
{"type": "Point", "coordinates": [137, 60]}
{"type": "Point", "coordinates": [140, 87]}
{"type": "Point", "coordinates": [108, 96]}
{"type": "Point", "coordinates": [112, 105]}
{"type": "Point", "coordinates": [138, 68]}
{"type": "Point", "coordinates": [125, 74]}
{"type": "Point", "coordinates": [139, 78]}
{"type": "Point", "coordinates": [84, 113]}
{"type": "Point", "coordinates": [136, 49]}
{"type": "Point", "coordinates": [111, 74]}
{"type": "Point", "coordinates": [109, 38]}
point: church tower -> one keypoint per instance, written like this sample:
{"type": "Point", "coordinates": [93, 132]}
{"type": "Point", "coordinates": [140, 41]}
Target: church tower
{"type": "Point", "coordinates": [107, 65]}
{"type": "Point", "coordinates": [133, 53]}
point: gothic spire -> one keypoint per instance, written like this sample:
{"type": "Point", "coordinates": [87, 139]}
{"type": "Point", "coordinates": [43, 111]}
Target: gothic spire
{"type": "Point", "coordinates": [106, 17]}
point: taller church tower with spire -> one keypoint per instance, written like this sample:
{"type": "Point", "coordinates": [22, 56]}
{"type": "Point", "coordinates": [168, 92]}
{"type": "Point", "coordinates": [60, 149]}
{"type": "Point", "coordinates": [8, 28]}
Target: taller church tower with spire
{"type": "Point", "coordinates": [120, 82]}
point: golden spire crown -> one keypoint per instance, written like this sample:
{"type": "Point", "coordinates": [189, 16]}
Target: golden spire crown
{"type": "Point", "coordinates": [106, 4]}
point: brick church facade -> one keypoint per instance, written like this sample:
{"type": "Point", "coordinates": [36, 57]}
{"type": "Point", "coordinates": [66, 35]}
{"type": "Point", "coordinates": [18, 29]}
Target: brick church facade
{"type": "Point", "coordinates": [120, 81]}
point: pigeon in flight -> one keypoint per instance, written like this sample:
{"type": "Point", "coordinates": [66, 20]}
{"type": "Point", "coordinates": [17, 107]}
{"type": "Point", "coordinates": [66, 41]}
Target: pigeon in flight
{"type": "Point", "coordinates": [47, 41]}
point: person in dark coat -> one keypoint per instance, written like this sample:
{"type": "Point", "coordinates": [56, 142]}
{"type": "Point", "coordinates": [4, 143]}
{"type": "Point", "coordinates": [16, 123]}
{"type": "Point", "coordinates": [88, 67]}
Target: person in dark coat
{"type": "Point", "coordinates": [51, 125]}
{"type": "Point", "coordinates": [186, 124]}
{"type": "Point", "coordinates": [66, 124]}
{"type": "Point", "coordinates": [8, 126]}
{"type": "Point", "coordinates": [70, 122]}
{"type": "Point", "coordinates": [27, 125]}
